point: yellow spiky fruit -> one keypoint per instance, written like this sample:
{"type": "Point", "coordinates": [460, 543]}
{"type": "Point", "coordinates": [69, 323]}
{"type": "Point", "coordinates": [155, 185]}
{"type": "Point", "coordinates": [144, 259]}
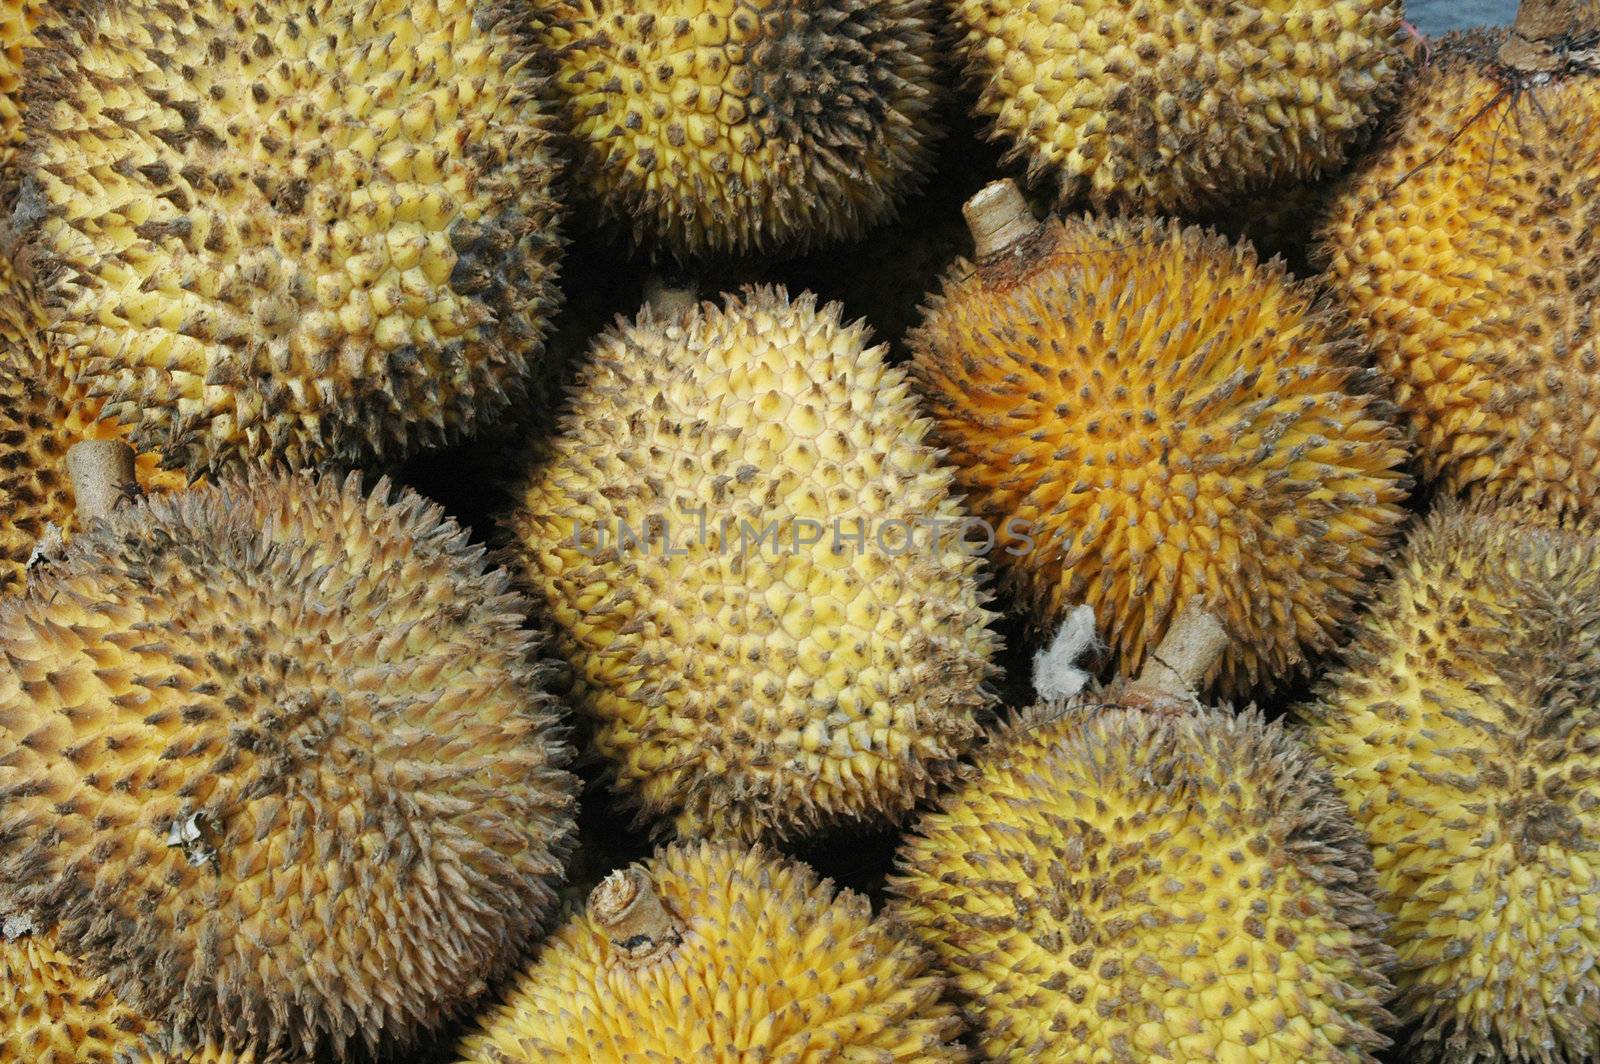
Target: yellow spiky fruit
{"type": "Point", "coordinates": [720, 532]}
{"type": "Point", "coordinates": [1464, 730]}
{"type": "Point", "coordinates": [42, 415]}
{"type": "Point", "coordinates": [289, 231]}
{"type": "Point", "coordinates": [1175, 105]}
{"type": "Point", "coordinates": [1462, 249]}
{"type": "Point", "coordinates": [1146, 413]}
{"type": "Point", "coordinates": [1120, 884]}
{"type": "Point", "coordinates": [715, 126]}
{"type": "Point", "coordinates": [51, 1014]}
{"type": "Point", "coordinates": [311, 798]}
{"type": "Point", "coordinates": [19, 19]}
{"type": "Point", "coordinates": [716, 952]}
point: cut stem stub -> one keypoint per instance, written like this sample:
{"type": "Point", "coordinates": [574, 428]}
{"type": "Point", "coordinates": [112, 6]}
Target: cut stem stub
{"type": "Point", "coordinates": [103, 477]}
{"type": "Point", "coordinates": [1189, 651]}
{"type": "Point", "coordinates": [999, 218]}
{"type": "Point", "coordinates": [629, 911]}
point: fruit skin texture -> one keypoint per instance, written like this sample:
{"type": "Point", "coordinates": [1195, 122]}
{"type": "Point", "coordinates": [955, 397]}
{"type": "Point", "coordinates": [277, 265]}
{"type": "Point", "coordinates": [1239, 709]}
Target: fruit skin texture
{"type": "Point", "coordinates": [1464, 731]}
{"type": "Point", "coordinates": [750, 684]}
{"type": "Point", "coordinates": [19, 22]}
{"type": "Point", "coordinates": [50, 1014]}
{"type": "Point", "coordinates": [714, 126]}
{"type": "Point", "coordinates": [311, 797]}
{"type": "Point", "coordinates": [307, 233]}
{"type": "Point", "coordinates": [42, 415]}
{"type": "Point", "coordinates": [1462, 247]}
{"type": "Point", "coordinates": [1121, 885]}
{"type": "Point", "coordinates": [1156, 414]}
{"type": "Point", "coordinates": [773, 964]}
{"type": "Point", "coordinates": [1175, 105]}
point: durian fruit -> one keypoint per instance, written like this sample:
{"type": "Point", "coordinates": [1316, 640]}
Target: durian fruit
{"type": "Point", "coordinates": [713, 126]}
{"type": "Point", "coordinates": [1131, 877]}
{"type": "Point", "coordinates": [19, 20]}
{"type": "Point", "coordinates": [41, 416]}
{"type": "Point", "coordinates": [298, 232]}
{"type": "Point", "coordinates": [1464, 731]}
{"type": "Point", "coordinates": [51, 1014]}
{"type": "Point", "coordinates": [277, 764]}
{"type": "Point", "coordinates": [1462, 249]}
{"type": "Point", "coordinates": [735, 534]}
{"type": "Point", "coordinates": [1176, 105]}
{"type": "Point", "coordinates": [716, 952]}
{"type": "Point", "coordinates": [1145, 413]}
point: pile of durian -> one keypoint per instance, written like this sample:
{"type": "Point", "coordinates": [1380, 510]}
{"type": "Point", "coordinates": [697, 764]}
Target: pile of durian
{"type": "Point", "coordinates": [801, 531]}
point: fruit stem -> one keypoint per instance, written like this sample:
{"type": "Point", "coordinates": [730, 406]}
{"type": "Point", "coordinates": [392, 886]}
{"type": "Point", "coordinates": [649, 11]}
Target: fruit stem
{"type": "Point", "coordinates": [668, 298]}
{"type": "Point", "coordinates": [626, 907]}
{"type": "Point", "coordinates": [999, 219]}
{"type": "Point", "coordinates": [1191, 648]}
{"type": "Point", "coordinates": [103, 477]}
{"type": "Point", "coordinates": [1550, 20]}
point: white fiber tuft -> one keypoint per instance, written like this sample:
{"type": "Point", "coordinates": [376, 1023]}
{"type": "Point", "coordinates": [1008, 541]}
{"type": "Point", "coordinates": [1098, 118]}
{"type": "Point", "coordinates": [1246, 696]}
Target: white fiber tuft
{"type": "Point", "coordinates": [1056, 676]}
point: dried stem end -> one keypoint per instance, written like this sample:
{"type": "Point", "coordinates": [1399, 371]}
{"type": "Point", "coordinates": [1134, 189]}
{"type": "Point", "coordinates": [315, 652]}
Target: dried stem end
{"type": "Point", "coordinates": [1549, 34]}
{"type": "Point", "coordinates": [1554, 20]}
{"type": "Point", "coordinates": [999, 219]}
{"type": "Point", "coordinates": [628, 910]}
{"type": "Point", "coordinates": [103, 477]}
{"type": "Point", "coordinates": [1192, 647]}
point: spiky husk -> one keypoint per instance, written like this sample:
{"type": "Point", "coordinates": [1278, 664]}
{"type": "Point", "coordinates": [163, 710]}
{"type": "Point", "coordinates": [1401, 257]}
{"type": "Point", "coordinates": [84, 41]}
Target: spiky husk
{"type": "Point", "coordinates": [1146, 413]}
{"type": "Point", "coordinates": [303, 232]}
{"type": "Point", "coordinates": [19, 19]}
{"type": "Point", "coordinates": [51, 1014]}
{"type": "Point", "coordinates": [1121, 885]}
{"type": "Point", "coordinates": [710, 126]}
{"type": "Point", "coordinates": [742, 681]}
{"type": "Point", "coordinates": [772, 964]}
{"type": "Point", "coordinates": [42, 415]}
{"type": "Point", "coordinates": [1464, 731]}
{"type": "Point", "coordinates": [311, 795]}
{"type": "Point", "coordinates": [1463, 248]}
{"type": "Point", "coordinates": [1176, 105]}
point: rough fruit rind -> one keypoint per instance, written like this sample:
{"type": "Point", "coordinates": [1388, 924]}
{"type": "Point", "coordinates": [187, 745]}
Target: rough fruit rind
{"type": "Point", "coordinates": [1463, 729]}
{"type": "Point", "coordinates": [743, 678]}
{"type": "Point", "coordinates": [771, 964]}
{"type": "Point", "coordinates": [745, 125]}
{"type": "Point", "coordinates": [1462, 248]}
{"type": "Point", "coordinates": [1148, 413]}
{"type": "Point", "coordinates": [42, 414]}
{"type": "Point", "coordinates": [1175, 105]}
{"type": "Point", "coordinates": [298, 232]}
{"type": "Point", "coordinates": [278, 764]}
{"type": "Point", "coordinates": [1127, 885]}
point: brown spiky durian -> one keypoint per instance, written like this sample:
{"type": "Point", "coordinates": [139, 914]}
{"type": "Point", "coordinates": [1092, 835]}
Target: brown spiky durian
{"type": "Point", "coordinates": [276, 763]}
{"type": "Point", "coordinates": [286, 231]}
{"type": "Point", "coordinates": [42, 415]}
{"type": "Point", "coordinates": [723, 126]}
{"type": "Point", "coordinates": [1144, 413]}
{"type": "Point", "coordinates": [735, 534]}
{"type": "Point", "coordinates": [1464, 730]}
{"type": "Point", "coordinates": [51, 1014]}
{"type": "Point", "coordinates": [1463, 248]}
{"type": "Point", "coordinates": [1177, 105]}
{"type": "Point", "coordinates": [1132, 878]}
{"type": "Point", "coordinates": [715, 952]}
